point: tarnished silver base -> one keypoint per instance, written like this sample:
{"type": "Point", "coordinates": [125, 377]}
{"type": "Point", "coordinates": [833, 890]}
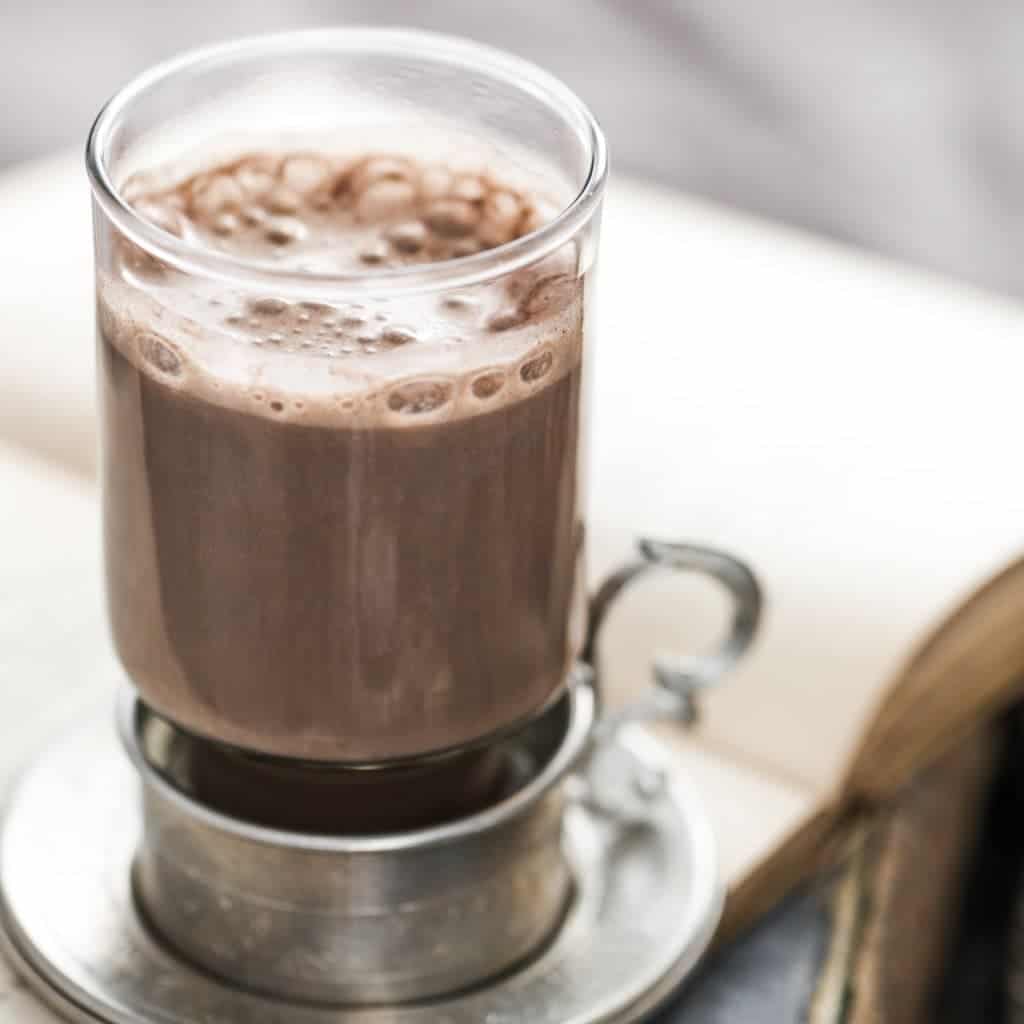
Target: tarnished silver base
{"type": "Point", "coordinates": [646, 901]}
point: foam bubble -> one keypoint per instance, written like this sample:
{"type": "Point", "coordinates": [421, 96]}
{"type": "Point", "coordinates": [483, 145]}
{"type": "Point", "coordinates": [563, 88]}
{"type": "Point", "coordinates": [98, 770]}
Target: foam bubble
{"type": "Point", "coordinates": [451, 218]}
{"type": "Point", "coordinates": [284, 230]}
{"type": "Point", "coordinates": [218, 193]}
{"type": "Point", "coordinates": [468, 187]}
{"type": "Point", "coordinates": [225, 223]}
{"type": "Point", "coordinates": [254, 216]}
{"type": "Point", "coordinates": [501, 214]}
{"type": "Point", "coordinates": [467, 247]}
{"type": "Point", "coordinates": [256, 176]}
{"type": "Point", "coordinates": [435, 181]}
{"type": "Point", "coordinates": [420, 396]}
{"type": "Point", "coordinates": [488, 384]}
{"type": "Point", "coordinates": [397, 336]}
{"type": "Point", "coordinates": [380, 168]}
{"type": "Point", "coordinates": [549, 295]}
{"type": "Point", "coordinates": [305, 172]}
{"type": "Point", "coordinates": [537, 367]}
{"type": "Point", "coordinates": [267, 306]}
{"type": "Point", "coordinates": [385, 199]}
{"type": "Point", "coordinates": [282, 199]}
{"type": "Point", "coordinates": [408, 237]}
{"type": "Point", "coordinates": [460, 303]}
{"type": "Point", "coordinates": [160, 354]}
{"type": "Point", "coordinates": [518, 284]}
{"type": "Point", "coordinates": [505, 319]}
{"type": "Point", "coordinates": [373, 255]}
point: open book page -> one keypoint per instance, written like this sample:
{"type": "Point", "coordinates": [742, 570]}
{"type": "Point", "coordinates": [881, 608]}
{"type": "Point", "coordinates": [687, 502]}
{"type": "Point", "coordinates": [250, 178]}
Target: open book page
{"type": "Point", "coordinates": [969, 666]}
{"type": "Point", "coordinates": [855, 440]}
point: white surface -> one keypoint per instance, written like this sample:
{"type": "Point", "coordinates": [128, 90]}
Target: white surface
{"type": "Point", "coordinates": [849, 425]}
{"type": "Point", "coordinates": [53, 652]}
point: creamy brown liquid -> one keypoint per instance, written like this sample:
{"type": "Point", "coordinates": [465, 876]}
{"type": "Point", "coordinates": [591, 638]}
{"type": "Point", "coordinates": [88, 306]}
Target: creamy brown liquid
{"type": "Point", "coordinates": [344, 531]}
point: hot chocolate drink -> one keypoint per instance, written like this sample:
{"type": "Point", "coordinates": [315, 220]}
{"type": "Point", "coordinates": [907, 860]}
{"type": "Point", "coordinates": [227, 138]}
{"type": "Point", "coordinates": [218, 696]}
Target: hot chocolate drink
{"type": "Point", "coordinates": [335, 529]}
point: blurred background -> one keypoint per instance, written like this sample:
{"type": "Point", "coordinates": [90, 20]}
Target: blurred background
{"type": "Point", "coordinates": [891, 124]}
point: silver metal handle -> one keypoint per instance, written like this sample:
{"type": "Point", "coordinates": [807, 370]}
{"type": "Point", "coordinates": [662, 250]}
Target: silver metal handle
{"type": "Point", "coordinates": [615, 784]}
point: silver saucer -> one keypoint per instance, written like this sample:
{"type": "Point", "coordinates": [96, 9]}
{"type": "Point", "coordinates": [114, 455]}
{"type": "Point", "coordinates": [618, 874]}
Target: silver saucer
{"type": "Point", "coordinates": [647, 900]}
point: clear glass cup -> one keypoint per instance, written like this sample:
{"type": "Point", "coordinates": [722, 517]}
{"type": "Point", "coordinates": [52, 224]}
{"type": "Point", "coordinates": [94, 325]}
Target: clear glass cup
{"type": "Point", "coordinates": [343, 491]}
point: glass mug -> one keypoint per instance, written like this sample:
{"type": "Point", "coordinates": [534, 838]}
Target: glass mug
{"type": "Point", "coordinates": [343, 484]}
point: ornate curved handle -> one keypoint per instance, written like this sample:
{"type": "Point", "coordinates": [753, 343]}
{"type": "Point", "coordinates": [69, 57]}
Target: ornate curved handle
{"type": "Point", "coordinates": [678, 678]}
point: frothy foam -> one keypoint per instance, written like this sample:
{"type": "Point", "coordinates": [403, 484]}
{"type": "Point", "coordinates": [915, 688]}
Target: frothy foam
{"type": "Point", "coordinates": [397, 361]}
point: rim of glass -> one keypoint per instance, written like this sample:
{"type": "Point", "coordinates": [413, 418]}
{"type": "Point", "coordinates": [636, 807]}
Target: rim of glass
{"type": "Point", "coordinates": [455, 273]}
